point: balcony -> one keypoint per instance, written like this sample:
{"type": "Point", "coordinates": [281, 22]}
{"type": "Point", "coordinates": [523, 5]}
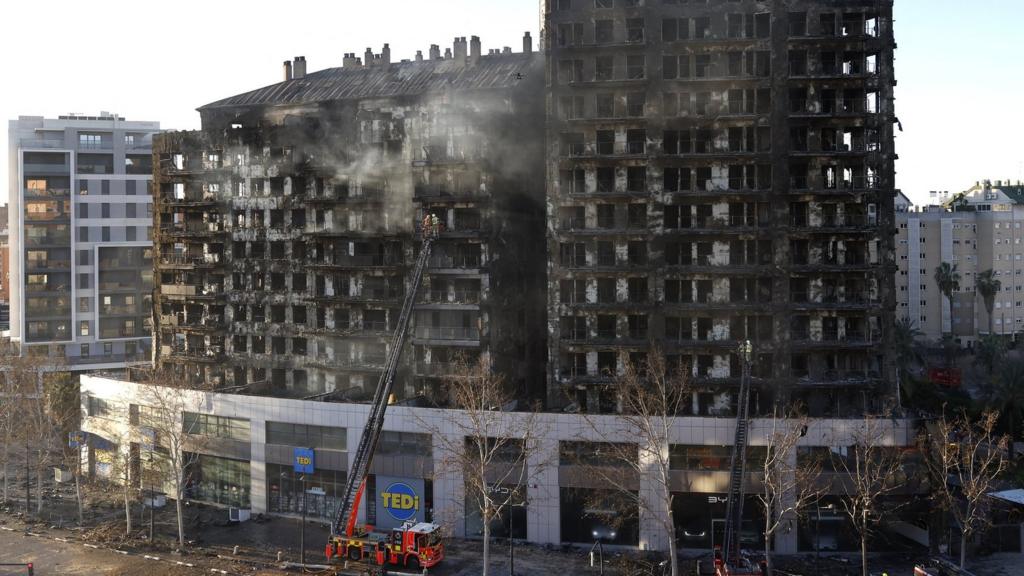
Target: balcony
{"type": "Point", "coordinates": [446, 333]}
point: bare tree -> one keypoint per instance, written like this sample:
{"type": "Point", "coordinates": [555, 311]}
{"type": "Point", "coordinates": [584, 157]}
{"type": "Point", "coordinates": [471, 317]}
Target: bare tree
{"type": "Point", "coordinates": [64, 405]}
{"type": "Point", "coordinates": [967, 456]}
{"type": "Point", "coordinates": [177, 442]}
{"type": "Point", "coordinates": [787, 486]}
{"type": "Point", "coordinates": [870, 469]}
{"type": "Point", "coordinates": [650, 394]}
{"type": "Point", "coordinates": [479, 442]}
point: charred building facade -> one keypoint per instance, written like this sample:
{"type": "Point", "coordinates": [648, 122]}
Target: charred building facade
{"type": "Point", "coordinates": [720, 172]}
{"type": "Point", "coordinates": [286, 228]}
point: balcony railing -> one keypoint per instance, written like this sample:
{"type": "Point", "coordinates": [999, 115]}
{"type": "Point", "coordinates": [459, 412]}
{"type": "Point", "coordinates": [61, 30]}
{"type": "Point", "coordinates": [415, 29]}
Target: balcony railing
{"type": "Point", "coordinates": [447, 333]}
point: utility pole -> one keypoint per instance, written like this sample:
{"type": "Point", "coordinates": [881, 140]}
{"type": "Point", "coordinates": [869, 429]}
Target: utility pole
{"type": "Point", "coordinates": [302, 531]}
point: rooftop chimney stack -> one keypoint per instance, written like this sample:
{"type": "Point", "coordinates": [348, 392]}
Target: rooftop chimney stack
{"type": "Point", "coordinates": [527, 43]}
{"type": "Point", "coordinates": [474, 50]}
{"type": "Point", "coordinates": [419, 55]}
{"type": "Point", "coordinates": [287, 70]}
{"type": "Point", "coordinates": [506, 50]}
{"type": "Point", "coordinates": [435, 52]}
{"type": "Point", "coordinates": [385, 55]}
{"type": "Point", "coordinates": [447, 53]}
{"type": "Point", "coordinates": [299, 69]}
{"type": "Point", "coordinates": [368, 57]}
{"type": "Point", "coordinates": [460, 50]}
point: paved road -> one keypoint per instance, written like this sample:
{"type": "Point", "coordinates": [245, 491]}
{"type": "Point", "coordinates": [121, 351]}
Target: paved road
{"type": "Point", "coordinates": [51, 557]}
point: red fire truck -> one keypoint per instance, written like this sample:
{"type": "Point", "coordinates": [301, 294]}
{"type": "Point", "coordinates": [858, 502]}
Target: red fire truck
{"type": "Point", "coordinates": [412, 546]}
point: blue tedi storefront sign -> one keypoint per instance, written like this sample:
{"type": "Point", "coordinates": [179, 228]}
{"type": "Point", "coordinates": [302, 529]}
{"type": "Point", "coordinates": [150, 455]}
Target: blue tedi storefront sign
{"type": "Point", "coordinates": [399, 500]}
{"type": "Point", "coordinates": [303, 461]}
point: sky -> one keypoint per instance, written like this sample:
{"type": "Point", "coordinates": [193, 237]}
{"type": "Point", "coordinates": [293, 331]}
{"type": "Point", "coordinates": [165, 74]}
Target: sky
{"type": "Point", "coordinates": [960, 72]}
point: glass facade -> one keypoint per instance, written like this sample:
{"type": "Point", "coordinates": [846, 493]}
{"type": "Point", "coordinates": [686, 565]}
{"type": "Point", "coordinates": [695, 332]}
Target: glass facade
{"type": "Point", "coordinates": [218, 480]}
{"type": "Point", "coordinates": [285, 492]}
{"type": "Point", "coordinates": [700, 518]}
{"type": "Point", "coordinates": [124, 289]}
{"type": "Point", "coordinates": [590, 513]}
{"type": "Point", "coordinates": [307, 436]}
{"type": "Point", "coordinates": [47, 246]}
{"type": "Point", "coordinates": [216, 426]}
{"type": "Point", "coordinates": [512, 517]}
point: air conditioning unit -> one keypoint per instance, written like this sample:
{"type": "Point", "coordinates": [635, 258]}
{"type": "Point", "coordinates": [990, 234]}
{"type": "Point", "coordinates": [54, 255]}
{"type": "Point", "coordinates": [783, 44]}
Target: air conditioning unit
{"type": "Point", "coordinates": [239, 514]}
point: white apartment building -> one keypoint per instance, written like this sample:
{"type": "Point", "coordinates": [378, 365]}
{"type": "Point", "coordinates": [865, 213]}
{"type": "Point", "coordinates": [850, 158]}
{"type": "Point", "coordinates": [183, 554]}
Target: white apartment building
{"type": "Point", "coordinates": [976, 230]}
{"type": "Point", "coordinates": [80, 223]}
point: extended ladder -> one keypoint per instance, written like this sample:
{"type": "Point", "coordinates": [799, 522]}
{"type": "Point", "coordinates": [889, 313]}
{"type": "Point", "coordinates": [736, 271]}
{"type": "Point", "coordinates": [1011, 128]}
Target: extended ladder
{"type": "Point", "coordinates": [349, 507]}
{"type": "Point", "coordinates": [738, 464]}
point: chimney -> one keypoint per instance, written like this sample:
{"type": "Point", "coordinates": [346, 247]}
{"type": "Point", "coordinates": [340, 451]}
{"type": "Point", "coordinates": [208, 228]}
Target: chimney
{"type": "Point", "coordinates": [385, 55]}
{"type": "Point", "coordinates": [447, 53]}
{"type": "Point", "coordinates": [435, 52]}
{"type": "Point", "coordinates": [527, 43]}
{"type": "Point", "coordinates": [299, 70]}
{"type": "Point", "coordinates": [368, 57]}
{"type": "Point", "coordinates": [419, 55]}
{"type": "Point", "coordinates": [474, 50]}
{"type": "Point", "coordinates": [506, 50]}
{"type": "Point", "coordinates": [287, 70]}
{"type": "Point", "coordinates": [460, 50]}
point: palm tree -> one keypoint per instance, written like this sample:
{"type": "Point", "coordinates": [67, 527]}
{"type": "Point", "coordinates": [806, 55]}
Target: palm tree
{"type": "Point", "coordinates": [948, 280]}
{"type": "Point", "coordinates": [989, 351]}
{"type": "Point", "coordinates": [1007, 395]}
{"type": "Point", "coordinates": [988, 287]}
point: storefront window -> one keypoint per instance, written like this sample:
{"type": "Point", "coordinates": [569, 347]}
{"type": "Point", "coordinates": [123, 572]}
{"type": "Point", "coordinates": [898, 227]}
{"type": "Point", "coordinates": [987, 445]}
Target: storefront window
{"type": "Point", "coordinates": [218, 480]}
{"type": "Point", "coordinates": [307, 436]}
{"type": "Point", "coordinates": [589, 514]}
{"type": "Point", "coordinates": [826, 528]}
{"type": "Point", "coordinates": [216, 426]}
{"type": "Point", "coordinates": [700, 520]}
{"type": "Point", "coordinates": [604, 454]}
{"type": "Point", "coordinates": [512, 515]}
{"type": "Point", "coordinates": [323, 491]}
{"type": "Point", "coordinates": [698, 457]}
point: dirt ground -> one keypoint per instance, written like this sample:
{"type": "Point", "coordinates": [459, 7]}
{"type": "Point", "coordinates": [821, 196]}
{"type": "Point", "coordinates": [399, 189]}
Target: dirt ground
{"type": "Point", "coordinates": [59, 546]}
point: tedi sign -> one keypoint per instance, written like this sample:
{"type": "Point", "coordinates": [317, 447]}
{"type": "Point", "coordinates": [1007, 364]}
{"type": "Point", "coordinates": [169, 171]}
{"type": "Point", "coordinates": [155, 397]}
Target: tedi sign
{"type": "Point", "coordinates": [399, 500]}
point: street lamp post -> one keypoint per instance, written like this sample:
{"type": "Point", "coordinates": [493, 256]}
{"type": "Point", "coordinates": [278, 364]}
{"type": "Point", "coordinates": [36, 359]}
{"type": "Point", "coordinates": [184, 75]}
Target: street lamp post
{"type": "Point", "coordinates": [302, 531]}
{"type": "Point", "coordinates": [511, 537]}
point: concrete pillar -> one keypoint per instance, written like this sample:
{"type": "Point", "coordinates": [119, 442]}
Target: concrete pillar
{"type": "Point", "coordinates": [786, 535]}
{"type": "Point", "coordinates": [449, 485]}
{"type": "Point", "coordinates": [543, 511]}
{"type": "Point", "coordinates": [653, 533]}
{"type": "Point", "coordinates": [258, 485]}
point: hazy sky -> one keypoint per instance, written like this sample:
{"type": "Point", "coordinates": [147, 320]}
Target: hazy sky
{"type": "Point", "coordinates": [959, 64]}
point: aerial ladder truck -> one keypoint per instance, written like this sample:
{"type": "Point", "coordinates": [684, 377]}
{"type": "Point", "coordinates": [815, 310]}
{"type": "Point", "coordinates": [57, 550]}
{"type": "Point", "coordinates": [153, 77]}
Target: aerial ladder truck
{"type": "Point", "coordinates": [729, 559]}
{"type": "Point", "coordinates": [413, 545]}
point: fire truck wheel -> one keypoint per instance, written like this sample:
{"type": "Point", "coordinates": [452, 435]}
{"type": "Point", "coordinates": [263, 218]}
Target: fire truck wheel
{"type": "Point", "coordinates": [413, 563]}
{"type": "Point", "coordinates": [353, 553]}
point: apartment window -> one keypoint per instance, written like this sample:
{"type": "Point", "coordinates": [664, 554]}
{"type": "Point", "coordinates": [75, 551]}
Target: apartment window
{"type": "Point", "coordinates": [637, 288]}
{"type": "Point", "coordinates": [636, 141]}
{"type": "Point", "coordinates": [635, 103]}
{"type": "Point", "coordinates": [634, 30]}
{"type": "Point", "coordinates": [603, 31]}
{"type": "Point", "coordinates": [606, 292]}
{"type": "Point", "coordinates": [635, 67]}
{"type": "Point", "coordinates": [604, 68]}
{"type": "Point", "coordinates": [798, 23]}
{"type": "Point", "coordinates": [570, 70]}
{"type": "Point", "coordinates": [90, 141]}
{"type": "Point", "coordinates": [573, 291]}
{"type": "Point", "coordinates": [605, 141]}
{"type": "Point", "coordinates": [605, 105]}
{"type": "Point", "coordinates": [98, 407]}
{"type": "Point", "coordinates": [636, 179]}
{"type": "Point", "coordinates": [129, 234]}
{"type": "Point", "coordinates": [129, 210]}
{"type": "Point", "coordinates": [105, 233]}
{"type": "Point", "coordinates": [83, 351]}
{"type": "Point", "coordinates": [83, 328]}
{"type": "Point", "coordinates": [84, 281]}
{"type": "Point", "coordinates": [605, 253]}
{"type": "Point", "coordinates": [702, 66]}
{"type": "Point", "coordinates": [83, 210]}
{"type": "Point", "coordinates": [603, 3]}
{"type": "Point", "coordinates": [606, 179]}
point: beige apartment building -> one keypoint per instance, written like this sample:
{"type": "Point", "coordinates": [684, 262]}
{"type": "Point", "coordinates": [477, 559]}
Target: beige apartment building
{"type": "Point", "coordinates": [977, 230]}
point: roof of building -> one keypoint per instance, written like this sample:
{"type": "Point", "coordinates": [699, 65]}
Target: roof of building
{"type": "Point", "coordinates": [493, 71]}
{"type": "Point", "coordinates": [1014, 496]}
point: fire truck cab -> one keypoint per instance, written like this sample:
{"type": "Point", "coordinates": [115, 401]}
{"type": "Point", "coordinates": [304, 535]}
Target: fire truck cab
{"type": "Point", "coordinates": [412, 546]}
